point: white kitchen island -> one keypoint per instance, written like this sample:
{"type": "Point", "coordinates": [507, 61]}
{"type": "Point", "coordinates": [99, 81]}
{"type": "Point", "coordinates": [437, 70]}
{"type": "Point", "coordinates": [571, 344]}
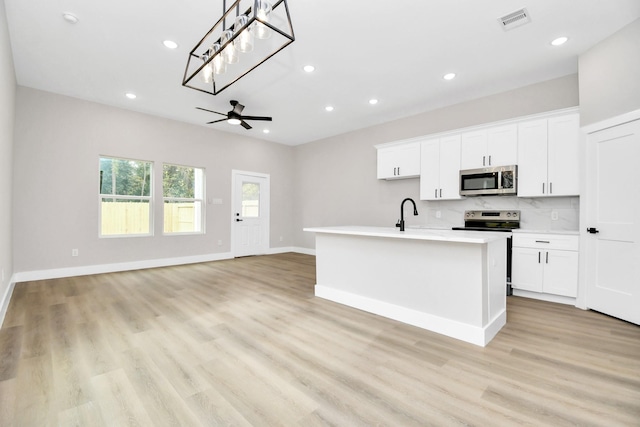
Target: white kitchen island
{"type": "Point", "coordinates": [446, 281]}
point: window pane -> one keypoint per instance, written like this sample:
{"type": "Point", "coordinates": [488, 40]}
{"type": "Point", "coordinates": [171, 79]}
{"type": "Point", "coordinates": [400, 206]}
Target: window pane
{"type": "Point", "coordinates": [125, 177]}
{"type": "Point", "coordinates": [180, 181]}
{"type": "Point", "coordinates": [182, 217]}
{"type": "Point", "coordinates": [121, 216]}
{"type": "Point", "coordinates": [250, 200]}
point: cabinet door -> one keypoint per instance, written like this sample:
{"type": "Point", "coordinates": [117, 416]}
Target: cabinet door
{"type": "Point", "coordinates": [408, 160]}
{"type": "Point", "coordinates": [532, 158]}
{"type": "Point", "coordinates": [399, 161]}
{"type": "Point", "coordinates": [450, 167]}
{"type": "Point", "coordinates": [502, 145]}
{"type": "Point", "coordinates": [527, 269]}
{"type": "Point", "coordinates": [564, 136]}
{"type": "Point", "coordinates": [387, 163]}
{"type": "Point", "coordinates": [561, 273]}
{"type": "Point", "coordinates": [429, 169]}
{"type": "Point", "coordinates": [473, 150]}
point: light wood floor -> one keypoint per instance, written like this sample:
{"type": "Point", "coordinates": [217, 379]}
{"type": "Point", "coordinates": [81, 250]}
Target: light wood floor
{"type": "Point", "coordinates": [245, 342]}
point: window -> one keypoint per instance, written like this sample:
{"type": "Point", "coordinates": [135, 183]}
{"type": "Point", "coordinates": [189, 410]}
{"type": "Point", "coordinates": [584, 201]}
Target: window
{"type": "Point", "coordinates": [183, 195]}
{"type": "Point", "coordinates": [125, 197]}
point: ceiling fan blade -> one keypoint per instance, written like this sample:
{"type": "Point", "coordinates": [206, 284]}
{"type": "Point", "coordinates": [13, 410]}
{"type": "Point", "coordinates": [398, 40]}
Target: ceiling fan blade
{"type": "Point", "coordinates": [237, 107]}
{"type": "Point", "coordinates": [216, 121]}
{"type": "Point", "coordinates": [211, 111]}
{"type": "Point", "coordinates": [245, 125]}
{"type": "Point", "coordinates": [266, 119]}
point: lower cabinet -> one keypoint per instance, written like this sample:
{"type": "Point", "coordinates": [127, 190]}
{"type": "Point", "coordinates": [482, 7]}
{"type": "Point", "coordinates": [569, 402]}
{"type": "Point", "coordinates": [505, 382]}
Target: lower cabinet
{"type": "Point", "coordinates": [545, 263]}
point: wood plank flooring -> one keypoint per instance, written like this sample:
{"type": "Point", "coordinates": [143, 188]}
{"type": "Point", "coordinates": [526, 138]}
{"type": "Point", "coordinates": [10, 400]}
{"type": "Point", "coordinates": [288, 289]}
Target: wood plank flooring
{"type": "Point", "coordinates": [244, 342]}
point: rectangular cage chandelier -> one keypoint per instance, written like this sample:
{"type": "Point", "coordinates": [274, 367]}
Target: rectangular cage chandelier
{"type": "Point", "coordinates": [248, 33]}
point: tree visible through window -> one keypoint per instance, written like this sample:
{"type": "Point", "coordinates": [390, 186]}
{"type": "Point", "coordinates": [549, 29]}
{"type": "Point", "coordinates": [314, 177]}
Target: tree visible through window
{"type": "Point", "coordinates": [125, 197]}
{"type": "Point", "coordinates": [183, 193]}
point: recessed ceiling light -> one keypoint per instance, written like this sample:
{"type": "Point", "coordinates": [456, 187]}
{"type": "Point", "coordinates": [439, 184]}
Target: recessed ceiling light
{"type": "Point", "coordinates": [130, 95]}
{"type": "Point", "coordinates": [70, 18]}
{"type": "Point", "coordinates": [170, 44]}
{"type": "Point", "coordinates": [449, 76]}
{"type": "Point", "coordinates": [373, 101]}
{"type": "Point", "coordinates": [328, 108]}
{"type": "Point", "coordinates": [265, 131]}
{"type": "Point", "coordinates": [560, 41]}
{"type": "Point", "coordinates": [309, 68]}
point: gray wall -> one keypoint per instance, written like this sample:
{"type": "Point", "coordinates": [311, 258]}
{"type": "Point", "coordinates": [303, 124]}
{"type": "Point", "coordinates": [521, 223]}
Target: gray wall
{"type": "Point", "coordinates": [58, 141]}
{"type": "Point", "coordinates": [336, 177]}
{"type": "Point", "coordinates": [609, 76]}
{"type": "Point", "coordinates": [7, 113]}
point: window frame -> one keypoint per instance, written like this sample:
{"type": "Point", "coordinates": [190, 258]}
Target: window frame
{"type": "Point", "coordinates": [202, 200]}
{"type": "Point", "coordinates": [148, 198]}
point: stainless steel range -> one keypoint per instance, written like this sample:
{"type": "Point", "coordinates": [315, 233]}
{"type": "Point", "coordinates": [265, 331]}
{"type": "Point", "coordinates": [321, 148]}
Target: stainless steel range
{"type": "Point", "coordinates": [494, 220]}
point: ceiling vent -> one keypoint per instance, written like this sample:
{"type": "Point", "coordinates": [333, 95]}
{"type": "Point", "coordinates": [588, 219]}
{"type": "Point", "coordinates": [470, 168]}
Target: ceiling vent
{"type": "Point", "coordinates": [515, 19]}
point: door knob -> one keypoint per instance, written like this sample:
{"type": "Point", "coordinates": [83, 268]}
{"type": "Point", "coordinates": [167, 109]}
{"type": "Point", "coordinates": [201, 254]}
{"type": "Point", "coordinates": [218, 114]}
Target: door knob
{"type": "Point", "coordinates": [592, 230]}
{"type": "Point", "coordinates": [238, 220]}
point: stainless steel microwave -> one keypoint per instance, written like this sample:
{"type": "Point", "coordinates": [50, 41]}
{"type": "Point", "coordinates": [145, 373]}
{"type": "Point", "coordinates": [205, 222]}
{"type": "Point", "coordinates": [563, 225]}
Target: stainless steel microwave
{"type": "Point", "coordinates": [499, 180]}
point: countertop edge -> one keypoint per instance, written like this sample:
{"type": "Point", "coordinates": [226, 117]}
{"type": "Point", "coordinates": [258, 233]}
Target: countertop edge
{"type": "Point", "coordinates": [456, 236]}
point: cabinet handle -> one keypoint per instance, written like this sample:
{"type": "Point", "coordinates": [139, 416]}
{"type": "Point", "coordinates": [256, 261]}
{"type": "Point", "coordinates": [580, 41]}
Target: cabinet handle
{"type": "Point", "coordinates": [538, 257]}
{"type": "Point", "coordinates": [547, 258]}
{"type": "Point", "coordinates": [551, 188]}
{"type": "Point", "coordinates": [489, 160]}
{"type": "Point", "coordinates": [435, 193]}
{"type": "Point", "coordinates": [483, 164]}
{"type": "Point", "coordinates": [542, 241]}
{"type": "Point", "coordinates": [441, 193]}
{"type": "Point", "coordinates": [543, 188]}
{"type": "Point", "coordinates": [398, 170]}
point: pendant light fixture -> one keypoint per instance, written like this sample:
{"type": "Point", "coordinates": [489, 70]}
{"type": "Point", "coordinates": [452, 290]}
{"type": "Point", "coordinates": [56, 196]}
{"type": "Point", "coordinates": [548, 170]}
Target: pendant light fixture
{"type": "Point", "coordinates": [259, 29]}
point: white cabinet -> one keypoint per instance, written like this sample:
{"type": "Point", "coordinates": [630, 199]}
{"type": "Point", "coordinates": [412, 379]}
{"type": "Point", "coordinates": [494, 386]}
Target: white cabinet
{"type": "Point", "coordinates": [399, 161]}
{"type": "Point", "coordinates": [548, 157]}
{"type": "Point", "coordinates": [495, 146]}
{"type": "Point", "coordinates": [545, 263]}
{"type": "Point", "coordinates": [439, 168]}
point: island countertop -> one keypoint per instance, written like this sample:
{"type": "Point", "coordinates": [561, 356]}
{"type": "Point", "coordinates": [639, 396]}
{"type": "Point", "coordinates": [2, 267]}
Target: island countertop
{"type": "Point", "coordinates": [459, 236]}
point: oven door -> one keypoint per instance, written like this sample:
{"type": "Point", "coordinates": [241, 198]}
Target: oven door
{"type": "Point", "coordinates": [476, 182]}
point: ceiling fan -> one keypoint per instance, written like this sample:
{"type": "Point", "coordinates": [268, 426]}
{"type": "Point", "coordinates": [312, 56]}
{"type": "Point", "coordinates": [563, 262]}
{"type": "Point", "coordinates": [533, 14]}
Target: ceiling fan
{"type": "Point", "coordinates": [235, 117]}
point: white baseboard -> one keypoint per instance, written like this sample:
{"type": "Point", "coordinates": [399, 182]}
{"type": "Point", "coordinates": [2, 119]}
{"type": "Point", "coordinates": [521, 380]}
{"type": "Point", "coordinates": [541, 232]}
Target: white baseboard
{"type": "Point", "coordinates": [472, 334]}
{"type": "Point", "coordinates": [4, 303]}
{"type": "Point", "coordinates": [544, 297]}
{"type": "Point", "coordinates": [57, 273]}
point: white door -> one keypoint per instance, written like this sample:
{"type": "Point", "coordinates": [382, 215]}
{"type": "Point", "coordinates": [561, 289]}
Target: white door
{"type": "Point", "coordinates": [250, 214]}
{"type": "Point", "coordinates": [613, 253]}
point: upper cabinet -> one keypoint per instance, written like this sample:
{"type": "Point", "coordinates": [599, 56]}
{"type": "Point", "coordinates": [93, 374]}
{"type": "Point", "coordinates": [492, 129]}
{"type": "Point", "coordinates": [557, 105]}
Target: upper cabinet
{"type": "Point", "coordinates": [548, 157]}
{"type": "Point", "coordinates": [440, 165]}
{"type": "Point", "coordinates": [399, 161]}
{"type": "Point", "coordinates": [494, 146]}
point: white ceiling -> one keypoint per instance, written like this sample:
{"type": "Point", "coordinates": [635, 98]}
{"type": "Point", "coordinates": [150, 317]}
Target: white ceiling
{"type": "Point", "coordinates": [395, 51]}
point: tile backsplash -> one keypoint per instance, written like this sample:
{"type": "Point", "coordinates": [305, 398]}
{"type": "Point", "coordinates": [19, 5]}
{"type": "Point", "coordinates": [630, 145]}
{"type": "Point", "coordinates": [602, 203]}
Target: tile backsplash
{"type": "Point", "coordinates": [535, 213]}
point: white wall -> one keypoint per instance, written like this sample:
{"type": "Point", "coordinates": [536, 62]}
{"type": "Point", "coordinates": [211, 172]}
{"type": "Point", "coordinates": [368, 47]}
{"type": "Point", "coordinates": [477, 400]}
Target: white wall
{"type": "Point", "coordinates": [336, 177]}
{"type": "Point", "coordinates": [609, 76]}
{"type": "Point", "coordinates": [7, 113]}
{"type": "Point", "coordinates": [58, 143]}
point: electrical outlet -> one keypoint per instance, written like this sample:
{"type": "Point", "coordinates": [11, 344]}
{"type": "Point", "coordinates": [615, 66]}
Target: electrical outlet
{"type": "Point", "coordinates": [438, 214]}
{"type": "Point", "coordinates": [281, 238]}
{"type": "Point", "coordinates": [219, 242]}
{"type": "Point", "coordinates": [554, 215]}
{"type": "Point", "coordinates": [74, 252]}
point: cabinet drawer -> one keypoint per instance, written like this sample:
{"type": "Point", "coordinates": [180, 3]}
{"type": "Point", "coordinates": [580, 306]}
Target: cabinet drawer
{"type": "Point", "coordinates": [546, 241]}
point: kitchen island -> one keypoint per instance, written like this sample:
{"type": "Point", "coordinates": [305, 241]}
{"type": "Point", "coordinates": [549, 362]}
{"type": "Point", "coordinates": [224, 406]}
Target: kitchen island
{"type": "Point", "coordinates": [446, 281]}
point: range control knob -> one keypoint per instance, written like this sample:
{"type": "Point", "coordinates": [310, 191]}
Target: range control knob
{"type": "Point", "coordinates": [508, 214]}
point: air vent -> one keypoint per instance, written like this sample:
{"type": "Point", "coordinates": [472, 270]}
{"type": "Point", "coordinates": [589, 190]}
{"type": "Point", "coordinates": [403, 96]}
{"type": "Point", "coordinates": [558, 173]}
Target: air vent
{"type": "Point", "coordinates": [515, 19]}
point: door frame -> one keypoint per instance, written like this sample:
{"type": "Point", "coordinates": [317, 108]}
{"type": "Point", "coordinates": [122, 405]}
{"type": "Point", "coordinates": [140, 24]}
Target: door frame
{"type": "Point", "coordinates": [265, 207]}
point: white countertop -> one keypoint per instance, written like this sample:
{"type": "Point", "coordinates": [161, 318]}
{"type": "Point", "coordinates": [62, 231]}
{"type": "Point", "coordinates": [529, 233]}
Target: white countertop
{"type": "Point", "coordinates": [459, 236]}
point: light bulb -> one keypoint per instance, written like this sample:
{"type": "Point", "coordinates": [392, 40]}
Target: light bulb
{"type": "Point", "coordinates": [230, 53]}
{"type": "Point", "coordinates": [262, 12]}
{"type": "Point", "coordinates": [207, 71]}
{"type": "Point", "coordinates": [219, 66]}
{"type": "Point", "coordinates": [244, 40]}
{"type": "Point", "coordinates": [234, 121]}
